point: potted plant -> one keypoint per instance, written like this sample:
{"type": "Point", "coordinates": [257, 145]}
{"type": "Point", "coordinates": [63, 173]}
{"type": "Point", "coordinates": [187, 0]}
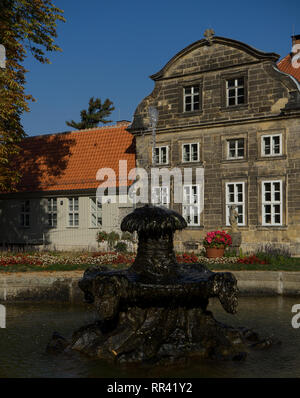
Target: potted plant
{"type": "Point", "coordinates": [215, 243]}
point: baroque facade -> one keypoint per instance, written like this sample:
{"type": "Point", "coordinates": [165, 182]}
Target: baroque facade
{"type": "Point", "coordinates": [225, 107]}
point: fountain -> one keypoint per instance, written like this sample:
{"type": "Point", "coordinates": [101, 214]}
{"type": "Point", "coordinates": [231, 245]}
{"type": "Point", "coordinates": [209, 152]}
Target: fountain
{"type": "Point", "coordinates": [155, 312]}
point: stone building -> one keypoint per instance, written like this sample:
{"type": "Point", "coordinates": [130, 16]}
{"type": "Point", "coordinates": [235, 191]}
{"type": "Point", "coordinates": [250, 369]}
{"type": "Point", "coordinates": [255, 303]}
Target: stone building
{"type": "Point", "coordinates": [225, 107]}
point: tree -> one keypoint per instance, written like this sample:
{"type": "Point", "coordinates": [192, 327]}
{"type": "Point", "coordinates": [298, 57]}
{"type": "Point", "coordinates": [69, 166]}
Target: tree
{"type": "Point", "coordinates": [24, 26]}
{"type": "Point", "coordinates": [96, 113]}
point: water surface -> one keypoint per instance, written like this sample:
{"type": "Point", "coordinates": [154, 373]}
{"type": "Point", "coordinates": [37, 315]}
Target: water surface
{"type": "Point", "coordinates": [30, 326]}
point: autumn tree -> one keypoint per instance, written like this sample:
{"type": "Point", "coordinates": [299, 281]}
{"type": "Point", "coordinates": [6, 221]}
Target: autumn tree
{"type": "Point", "coordinates": [25, 27]}
{"type": "Point", "coordinates": [96, 113]}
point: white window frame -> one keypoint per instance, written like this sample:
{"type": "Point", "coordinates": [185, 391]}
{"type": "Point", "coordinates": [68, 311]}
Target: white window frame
{"type": "Point", "coordinates": [25, 213]}
{"type": "Point", "coordinates": [272, 145]}
{"type": "Point", "coordinates": [96, 213]}
{"type": "Point", "coordinates": [52, 212]}
{"type": "Point", "coordinates": [192, 94]}
{"type": "Point", "coordinates": [159, 148]}
{"type": "Point", "coordinates": [73, 212]}
{"type": "Point", "coordinates": [190, 202]}
{"type": "Point", "coordinates": [190, 152]}
{"type": "Point", "coordinates": [160, 196]}
{"type": "Point", "coordinates": [273, 202]}
{"type": "Point", "coordinates": [236, 201]}
{"type": "Point", "coordinates": [236, 87]}
{"type": "Point", "coordinates": [236, 141]}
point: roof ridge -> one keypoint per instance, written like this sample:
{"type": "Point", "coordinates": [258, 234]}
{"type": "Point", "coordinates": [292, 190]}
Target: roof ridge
{"type": "Point", "coordinates": [102, 127]}
{"type": "Point", "coordinates": [112, 126]}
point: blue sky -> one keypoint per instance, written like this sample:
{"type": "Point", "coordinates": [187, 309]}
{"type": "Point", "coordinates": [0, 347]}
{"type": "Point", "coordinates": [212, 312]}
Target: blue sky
{"type": "Point", "coordinates": [111, 47]}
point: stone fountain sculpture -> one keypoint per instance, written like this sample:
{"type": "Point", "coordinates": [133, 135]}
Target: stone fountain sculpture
{"type": "Point", "coordinates": [156, 310]}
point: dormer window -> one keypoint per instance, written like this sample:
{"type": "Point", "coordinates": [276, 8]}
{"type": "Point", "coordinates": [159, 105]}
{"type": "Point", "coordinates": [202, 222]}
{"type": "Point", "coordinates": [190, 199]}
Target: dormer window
{"type": "Point", "coordinates": [191, 98]}
{"type": "Point", "coordinates": [235, 92]}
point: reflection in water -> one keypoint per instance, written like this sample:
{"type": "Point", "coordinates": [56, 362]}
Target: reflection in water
{"type": "Point", "coordinates": [29, 328]}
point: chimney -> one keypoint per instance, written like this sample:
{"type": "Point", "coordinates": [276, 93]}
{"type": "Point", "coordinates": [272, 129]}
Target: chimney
{"type": "Point", "coordinates": [295, 44]}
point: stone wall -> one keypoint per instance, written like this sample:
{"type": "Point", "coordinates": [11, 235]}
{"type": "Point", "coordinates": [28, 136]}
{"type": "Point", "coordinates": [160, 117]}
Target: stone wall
{"type": "Point", "coordinates": [269, 109]}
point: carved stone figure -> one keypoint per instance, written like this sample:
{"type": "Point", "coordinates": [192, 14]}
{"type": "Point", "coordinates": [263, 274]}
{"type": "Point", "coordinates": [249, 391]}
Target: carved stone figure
{"type": "Point", "coordinates": [233, 218]}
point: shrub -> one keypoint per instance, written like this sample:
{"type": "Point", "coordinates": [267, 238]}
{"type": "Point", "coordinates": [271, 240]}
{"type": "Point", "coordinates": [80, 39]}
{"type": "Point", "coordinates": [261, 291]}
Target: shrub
{"type": "Point", "coordinates": [101, 236]}
{"type": "Point", "coordinates": [271, 251]}
{"type": "Point", "coordinates": [112, 237]}
{"type": "Point", "coordinates": [127, 236]}
{"type": "Point", "coordinates": [121, 247]}
{"type": "Point", "coordinates": [230, 253]}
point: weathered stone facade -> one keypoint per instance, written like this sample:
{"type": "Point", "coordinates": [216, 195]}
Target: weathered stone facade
{"type": "Point", "coordinates": [271, 107]}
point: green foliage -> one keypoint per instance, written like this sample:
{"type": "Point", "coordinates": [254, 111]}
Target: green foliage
{"type": "Point", "coordinates": [121, 247]}
{"type": "Point", "coordinates": [101, 236]}
{"type": "Point", "coordinates": [277, 256]}
{"type": "Point", "coordinates": [230, 253]}
{"type": "Point", "coordinates": [112, 237]}
{"type": "Point", "coordinates": [24, 25]}
{"type": "Point", "coordinates": [127, 236]}
{"type": "Point", "coordinates": [96, 113]}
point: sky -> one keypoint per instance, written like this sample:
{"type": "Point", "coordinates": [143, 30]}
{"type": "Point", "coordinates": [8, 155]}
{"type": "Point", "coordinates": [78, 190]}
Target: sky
{"type": "Point", "coordinates": [110, 48]}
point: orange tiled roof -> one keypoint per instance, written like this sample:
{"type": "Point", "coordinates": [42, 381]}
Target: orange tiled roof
{"type": "Point", "coordinates": [285, 65]}
{"type": "Point", "coordinates": [68, 161]}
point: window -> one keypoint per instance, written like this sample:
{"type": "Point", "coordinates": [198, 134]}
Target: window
{"type": "Point", "coordinates": [162, 155]}
{"type": "Point", "coordinates": [95, 212]}
{"type": "Point", "coordinates": [190, 152]}
{"type": "Point", "coordinates": [73, 212]}
{"type": "Point", "coordinates": [160, 196]}
{"type": "Point", "coordinates": [272, 203]}
{"type": "Point", "coordinates": [235, 195]}
{"type": "Point", "coordinates": [235, 148]}
{"type": "Point", "coordinates": [52, 212]}
{"type": "Point", "coordinates": [235, 92]}
{"type": "Point", "coordinates": [25, 213]}
{"type": "Point", "coordinates": [191, 99]}
{"type": "Point", "coordinates": [271, 145]}
{"type": "Point", "coordinates": [191, 204]}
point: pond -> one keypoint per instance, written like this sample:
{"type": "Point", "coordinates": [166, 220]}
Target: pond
{"type": "Point", "coordinates": [30, 326]}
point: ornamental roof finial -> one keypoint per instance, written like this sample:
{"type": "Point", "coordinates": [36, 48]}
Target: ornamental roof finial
{"type": "Point", "coordinates": [209, 34]}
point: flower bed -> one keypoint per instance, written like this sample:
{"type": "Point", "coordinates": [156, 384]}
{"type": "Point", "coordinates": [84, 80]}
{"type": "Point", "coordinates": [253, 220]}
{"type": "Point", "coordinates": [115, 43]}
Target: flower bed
{"type": "Point", "coordinates": [43, 260]}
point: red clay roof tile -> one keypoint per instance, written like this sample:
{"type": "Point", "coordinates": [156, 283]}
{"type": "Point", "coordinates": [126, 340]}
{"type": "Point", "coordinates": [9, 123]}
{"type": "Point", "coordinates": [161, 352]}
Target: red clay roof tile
{"type": "Point", "coordinates": [68, 161]}
{"type": "Point", "coordinates": [285, 65]}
